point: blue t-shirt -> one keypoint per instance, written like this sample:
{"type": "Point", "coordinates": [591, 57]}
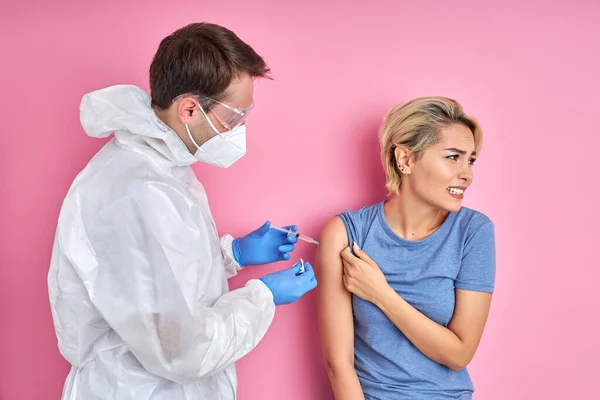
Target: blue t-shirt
{"type": "Point", "coordinates": [460, 254]}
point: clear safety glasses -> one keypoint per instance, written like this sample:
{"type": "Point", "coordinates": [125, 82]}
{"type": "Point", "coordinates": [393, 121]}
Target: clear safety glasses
{"type": "Point", "coordinates": [229, 116]}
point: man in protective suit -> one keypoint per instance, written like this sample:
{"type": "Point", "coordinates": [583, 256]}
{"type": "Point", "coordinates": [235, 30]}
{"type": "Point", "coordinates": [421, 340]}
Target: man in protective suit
{"type": "Point", "coordinates": [138, 277]}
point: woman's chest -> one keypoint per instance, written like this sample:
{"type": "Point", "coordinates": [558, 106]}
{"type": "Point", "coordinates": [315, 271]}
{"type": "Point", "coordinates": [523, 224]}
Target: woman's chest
{"type": "Point", "coordinates": [423, 276]}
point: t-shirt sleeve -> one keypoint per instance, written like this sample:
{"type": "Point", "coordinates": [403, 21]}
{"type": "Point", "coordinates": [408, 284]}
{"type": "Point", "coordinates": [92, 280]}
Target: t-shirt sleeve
{"type": "Point", "coordinates": [349, 220]}
{"type": "Point", "coordinates": [357, 223]}
{"type": "Point", "coordinates": [478, 266]}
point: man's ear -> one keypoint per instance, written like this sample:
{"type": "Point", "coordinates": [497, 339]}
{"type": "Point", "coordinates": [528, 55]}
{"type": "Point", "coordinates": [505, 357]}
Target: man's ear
{"type": "Point", "coordinates": [186, 108]}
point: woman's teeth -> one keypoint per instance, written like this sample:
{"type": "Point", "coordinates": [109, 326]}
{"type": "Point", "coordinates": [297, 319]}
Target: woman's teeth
{"type": "Point", "coordinates": [455, 191]}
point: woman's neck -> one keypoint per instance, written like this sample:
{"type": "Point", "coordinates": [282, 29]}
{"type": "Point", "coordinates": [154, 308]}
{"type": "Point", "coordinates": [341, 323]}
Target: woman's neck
{"type": "Point", "coordinates": [412, 219]}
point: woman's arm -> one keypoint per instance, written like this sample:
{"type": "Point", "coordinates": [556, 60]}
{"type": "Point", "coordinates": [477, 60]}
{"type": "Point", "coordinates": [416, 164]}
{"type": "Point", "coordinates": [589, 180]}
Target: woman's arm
{"type": "Point", "coordinates": [335, 314]}
{"type": "Point", "coordinates": [454, 346]}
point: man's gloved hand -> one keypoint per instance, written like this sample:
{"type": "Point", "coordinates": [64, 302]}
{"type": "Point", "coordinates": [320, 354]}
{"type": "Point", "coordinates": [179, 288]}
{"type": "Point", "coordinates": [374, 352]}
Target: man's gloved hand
{"type": "Point", "coordinates": [264, 246]}
{"type": "Point", "coordinates": [287, 286]}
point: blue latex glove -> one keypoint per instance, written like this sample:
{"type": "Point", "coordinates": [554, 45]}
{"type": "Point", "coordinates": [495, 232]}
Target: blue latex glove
{"type": "Point", "coordinates": [287, 286]}
{"type": "Point", "coordinates": [264, 246]}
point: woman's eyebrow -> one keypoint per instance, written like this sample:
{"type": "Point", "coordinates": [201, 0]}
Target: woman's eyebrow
{"type": "Point", "coordinates": [463, 152]}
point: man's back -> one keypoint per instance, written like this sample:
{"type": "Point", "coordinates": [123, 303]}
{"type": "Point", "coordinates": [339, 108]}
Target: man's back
{"type": "Point", "coordinates": [85, 339]}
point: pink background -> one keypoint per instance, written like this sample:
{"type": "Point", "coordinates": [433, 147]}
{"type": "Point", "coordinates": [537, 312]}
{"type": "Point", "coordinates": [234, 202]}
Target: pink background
{"type": "Point", "coordinates": [528, 72]}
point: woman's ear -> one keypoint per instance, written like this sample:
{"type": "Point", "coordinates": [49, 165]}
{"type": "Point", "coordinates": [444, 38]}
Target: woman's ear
{"type": "Point", "coordinates": [404, 159]}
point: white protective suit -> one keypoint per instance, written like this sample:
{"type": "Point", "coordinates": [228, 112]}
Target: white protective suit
{"type": "Point", "coordinates": [138, 277]}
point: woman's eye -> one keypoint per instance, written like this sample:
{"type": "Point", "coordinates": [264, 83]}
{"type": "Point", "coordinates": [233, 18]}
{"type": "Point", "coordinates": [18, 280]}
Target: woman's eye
{"type": "Point", "coordinates": [472, 161]}
{"type": "Point", "coordinates": [453, 157]}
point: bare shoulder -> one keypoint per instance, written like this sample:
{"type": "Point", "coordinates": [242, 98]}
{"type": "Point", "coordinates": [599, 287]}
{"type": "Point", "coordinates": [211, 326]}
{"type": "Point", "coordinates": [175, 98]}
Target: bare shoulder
{"type": "Point", "coordinates": [334, 234]}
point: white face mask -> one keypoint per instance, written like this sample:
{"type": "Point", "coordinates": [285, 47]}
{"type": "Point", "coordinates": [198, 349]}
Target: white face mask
{"type": "Point", "coordinates": [222, 150]}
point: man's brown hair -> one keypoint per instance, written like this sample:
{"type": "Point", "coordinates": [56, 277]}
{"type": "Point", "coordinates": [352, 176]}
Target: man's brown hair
{"type": "Point", "coordinates": [200, 59]}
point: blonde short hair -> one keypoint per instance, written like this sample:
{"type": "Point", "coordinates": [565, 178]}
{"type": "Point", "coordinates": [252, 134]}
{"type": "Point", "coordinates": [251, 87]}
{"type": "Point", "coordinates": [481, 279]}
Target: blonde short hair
{"type": "Point", "coordinates": [416, 125]}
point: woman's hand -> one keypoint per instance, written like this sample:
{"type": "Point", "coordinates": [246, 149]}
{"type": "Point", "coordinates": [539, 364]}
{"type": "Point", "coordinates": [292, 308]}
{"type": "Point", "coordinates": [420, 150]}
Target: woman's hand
{"type": "Point", "coordinates": [362, 275]}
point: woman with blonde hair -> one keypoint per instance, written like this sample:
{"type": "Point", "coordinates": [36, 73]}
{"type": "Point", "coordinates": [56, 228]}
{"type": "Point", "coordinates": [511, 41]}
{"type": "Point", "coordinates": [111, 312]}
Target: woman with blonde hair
{"type": "Point", "coordinates": [405, 285]}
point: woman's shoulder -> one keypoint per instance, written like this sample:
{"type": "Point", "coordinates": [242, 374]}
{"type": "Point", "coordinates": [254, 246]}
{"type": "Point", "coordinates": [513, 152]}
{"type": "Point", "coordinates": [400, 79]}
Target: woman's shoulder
{"type": "Point", "coordinates": [350, 221]}
{"type": "Point", "coordinates": [364, 213]}
{"type": "Point", "coordinates": [354, 222]}
{"type": "Point", "coordinates": [472, 220]}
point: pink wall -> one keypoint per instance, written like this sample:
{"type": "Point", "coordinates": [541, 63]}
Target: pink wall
{"type": "Point", "coordinates": [529, 72]}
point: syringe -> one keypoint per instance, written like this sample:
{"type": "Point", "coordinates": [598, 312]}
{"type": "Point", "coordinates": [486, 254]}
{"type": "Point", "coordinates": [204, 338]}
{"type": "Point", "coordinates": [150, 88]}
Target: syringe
{"type": "Point", "coordinates": [298, 235]}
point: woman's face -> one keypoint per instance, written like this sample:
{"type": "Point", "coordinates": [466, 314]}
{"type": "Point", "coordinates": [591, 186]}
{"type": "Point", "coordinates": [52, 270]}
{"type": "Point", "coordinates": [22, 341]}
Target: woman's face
{"type": "Point", "coordinates": [444, 172]}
